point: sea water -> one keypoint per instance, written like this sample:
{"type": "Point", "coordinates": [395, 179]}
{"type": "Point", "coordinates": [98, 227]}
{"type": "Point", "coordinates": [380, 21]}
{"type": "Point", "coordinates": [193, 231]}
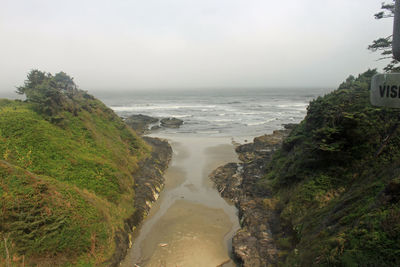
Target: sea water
{"type": "Point", "coordinates": [219, 112]}
{"type": "Point", "coordinates": [190, 224]}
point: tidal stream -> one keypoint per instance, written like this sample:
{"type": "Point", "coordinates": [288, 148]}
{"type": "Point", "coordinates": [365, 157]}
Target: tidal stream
{"type": "Point", "coordinates": [190, 224]}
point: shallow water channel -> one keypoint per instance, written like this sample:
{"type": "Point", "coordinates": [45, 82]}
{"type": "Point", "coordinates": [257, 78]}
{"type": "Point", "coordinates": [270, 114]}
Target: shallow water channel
{"type": "Point", "coordinates": [190, 224]}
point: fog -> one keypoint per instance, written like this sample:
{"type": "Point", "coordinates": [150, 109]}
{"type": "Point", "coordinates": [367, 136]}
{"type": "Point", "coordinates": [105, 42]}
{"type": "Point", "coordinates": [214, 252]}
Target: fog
{"type": "Point", "coordinates": [188, 44]}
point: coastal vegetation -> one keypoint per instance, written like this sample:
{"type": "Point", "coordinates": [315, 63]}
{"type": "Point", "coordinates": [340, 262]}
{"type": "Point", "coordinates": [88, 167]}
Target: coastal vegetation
{"type": "Point", "coordinates": [324, 192]}
{"type": "Point", "coordinates": [67, 164]}
{"type": "Point", "coordinates": [384, 44]}
{"type": "Point", "coordinates": [334, 184]}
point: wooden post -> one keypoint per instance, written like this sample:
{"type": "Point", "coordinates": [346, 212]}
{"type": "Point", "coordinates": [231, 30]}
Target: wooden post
{"type": "Point", "coordinates": [396, 31]}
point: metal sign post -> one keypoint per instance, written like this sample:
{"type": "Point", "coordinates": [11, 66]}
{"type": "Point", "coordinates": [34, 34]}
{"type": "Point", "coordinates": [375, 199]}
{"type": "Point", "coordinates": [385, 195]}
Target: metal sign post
{"type": "Point", "coordinates": [385, 88]}
{"type": "Point", "coordinates": [396, 31]}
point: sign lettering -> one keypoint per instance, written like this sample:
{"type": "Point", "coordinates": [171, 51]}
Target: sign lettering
{"type": "Point", "coordinates": [385, 90]}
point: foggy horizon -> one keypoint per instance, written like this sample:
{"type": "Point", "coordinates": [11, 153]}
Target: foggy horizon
{"type": "Point", "coordinates": [189, 45]}
{"type": "Point", "coordinates": [105, 92]}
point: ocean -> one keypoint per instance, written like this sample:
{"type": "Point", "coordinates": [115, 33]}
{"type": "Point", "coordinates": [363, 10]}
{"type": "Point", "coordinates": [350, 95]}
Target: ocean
{"type": "Point", "coordinates": [219, 113]}
{"type": "Point", "coordinates": [190, 224]}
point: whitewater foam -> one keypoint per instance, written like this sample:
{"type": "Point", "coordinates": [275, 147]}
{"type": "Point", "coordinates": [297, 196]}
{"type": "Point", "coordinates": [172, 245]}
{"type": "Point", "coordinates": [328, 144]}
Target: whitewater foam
{"type": "Point", "coordinates": [249, 113]}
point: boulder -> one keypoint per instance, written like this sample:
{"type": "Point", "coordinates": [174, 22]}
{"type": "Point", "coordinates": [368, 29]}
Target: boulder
{"type": "Point", "coordinates": [171, 122]}
{"type": "Point", "coordinates": [140, 123]}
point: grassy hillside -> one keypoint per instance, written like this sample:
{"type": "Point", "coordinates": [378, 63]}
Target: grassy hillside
{"type": "Point", "coordinates": [65, 179]}
{"type": "Point", "coordinates": [336, 182]}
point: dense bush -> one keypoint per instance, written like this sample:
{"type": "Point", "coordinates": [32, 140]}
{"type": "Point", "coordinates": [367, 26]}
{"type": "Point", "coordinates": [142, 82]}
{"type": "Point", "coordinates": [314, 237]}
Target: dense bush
{"type": "Point", "coordinates": [336, 179]}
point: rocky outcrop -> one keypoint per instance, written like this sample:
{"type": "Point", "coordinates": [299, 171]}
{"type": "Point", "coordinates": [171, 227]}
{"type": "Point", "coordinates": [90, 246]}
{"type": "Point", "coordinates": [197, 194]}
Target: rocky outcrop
{"type": "Point", "coordinates": [171, 122]}
{"type": "Point", "coordinates": [140, 123]}
{"type": "Point", "coordinates": [144, 124]}
{"type": "Point", "coordinates": [253, 245]}
{"type": "Point", "coordinates": [149, 181]}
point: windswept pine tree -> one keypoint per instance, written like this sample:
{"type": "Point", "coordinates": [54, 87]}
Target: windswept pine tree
{"type": "Point", "coordinates": [384, 44]}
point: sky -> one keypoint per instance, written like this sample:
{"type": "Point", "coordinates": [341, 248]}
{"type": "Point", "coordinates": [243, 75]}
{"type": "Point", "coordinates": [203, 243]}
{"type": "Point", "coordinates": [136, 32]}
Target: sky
{"type": "Point", "coordinates": [189, 44]}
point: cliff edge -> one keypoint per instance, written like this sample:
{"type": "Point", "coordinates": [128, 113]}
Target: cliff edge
{"type": "Point", "coordinates": [74, 178]}
{"type": "Point", "coordinates": [329, 195]}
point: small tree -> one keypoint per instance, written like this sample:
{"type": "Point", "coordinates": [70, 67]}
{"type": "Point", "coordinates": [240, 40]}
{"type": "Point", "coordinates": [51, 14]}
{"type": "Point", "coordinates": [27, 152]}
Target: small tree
{"type": "Point", "coordinates": [34, 78]}
{"type": "Point", "coordinates": [50, 93]}
{"type": "Point", "coordinates": [65, 82]}
{"type": "Point", "coordinates": [384, 44]}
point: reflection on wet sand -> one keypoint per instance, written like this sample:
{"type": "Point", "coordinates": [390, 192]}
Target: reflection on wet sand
{"type": "Point", "coordinates": [187, 235]}
{"type": "Point", "coordinates": [190, 224]}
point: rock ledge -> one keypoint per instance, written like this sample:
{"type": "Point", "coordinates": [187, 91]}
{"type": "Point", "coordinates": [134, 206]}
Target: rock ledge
{"type": "Point", "coordinates": [253, 245]}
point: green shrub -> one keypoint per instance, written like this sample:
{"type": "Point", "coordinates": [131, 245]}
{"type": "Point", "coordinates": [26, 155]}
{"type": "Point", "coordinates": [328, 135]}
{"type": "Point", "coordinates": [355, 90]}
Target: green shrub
{"type": "Point", "coordinates": [335, 177]}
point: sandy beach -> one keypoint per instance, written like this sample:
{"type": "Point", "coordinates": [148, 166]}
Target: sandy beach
{"type": "Point", "coordinates": [190, 224]}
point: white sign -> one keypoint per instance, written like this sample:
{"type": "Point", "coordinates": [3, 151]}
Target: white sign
{"type": "Point", "coordinates": [385, 90]}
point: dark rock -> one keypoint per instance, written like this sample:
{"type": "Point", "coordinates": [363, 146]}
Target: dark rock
{"type": "Point", "coordinates": [171, 122]}
{"type": "Point", "coordinates": [155, 128]}
{"type": "Point", "coordinates": [262, 146]}
{"type": "Point", "coordinates": [253, 245]}
{"type": "Point", "coordinates": [227, 180]}
{"type": "Point", "coordinates": [143, 124]}
{"type": "Point", "coordinates": [244, 248]}
{"type": "Point", "coordinates": [149, 181]}
{"type": "Point", "coordinates": [140, 123]}
{"type": "Point", "coordinates": [290, 126]}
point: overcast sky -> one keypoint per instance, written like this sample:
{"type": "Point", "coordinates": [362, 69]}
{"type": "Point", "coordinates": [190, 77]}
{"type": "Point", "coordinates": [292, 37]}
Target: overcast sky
{"type": "Point", "coordinates": [132, 44]}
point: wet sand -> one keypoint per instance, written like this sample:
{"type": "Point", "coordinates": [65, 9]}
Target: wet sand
{"type": "Point", "coordinates": [190, 224]}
